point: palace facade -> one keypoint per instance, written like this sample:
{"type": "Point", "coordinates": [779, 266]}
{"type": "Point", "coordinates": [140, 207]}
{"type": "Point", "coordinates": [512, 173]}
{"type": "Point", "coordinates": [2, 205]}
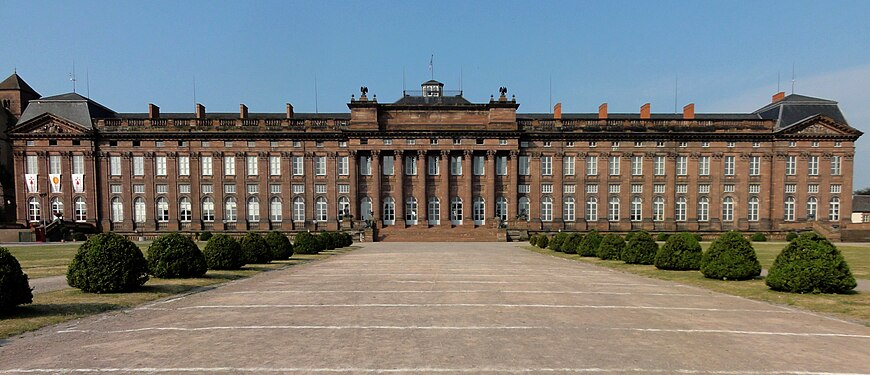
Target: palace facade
{"type": "Point", "coordinates": [431, 165]}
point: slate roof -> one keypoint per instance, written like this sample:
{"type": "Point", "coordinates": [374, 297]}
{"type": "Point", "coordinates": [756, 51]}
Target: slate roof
{"type": "Point", "coordinates": [861, 203]}
{"type": "Point", "coordinates": [71, 106]}
{"type": "Point", "coordinates": [795, 108]}
{"type": "Point", "coordinates": [14, 82]}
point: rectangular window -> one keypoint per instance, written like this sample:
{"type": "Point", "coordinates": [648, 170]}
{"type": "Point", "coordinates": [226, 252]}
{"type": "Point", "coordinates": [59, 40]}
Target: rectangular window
{"type": "Point", "coordinates": [659, 166]}
{"type": "Point", "coordinates": [160, 162]}
{"type": "Point", "coordinates": [298, 144]}
{"type": "Point", "coordinates": [138, 189]}
{"type": "Point", "coordinates": [613, 189]}
{"type": "Point", "coordinates": [754, 188]}
{"type": "Point", "coordinates": [274, 165]}
{"type": "Point", "coordinates": [387, 167]}
{"type": "Point", "coordinates": [343, 166]}
{"type": "Point", "coordinates": [756, 144]}
{"type": "Point", "coordinates": [207, 188]}
{"type": "Point", "coordinates": [205, 144]}
{"type": "Point", "coordinates": [591, 165]}
{"type": "Point", "coordinates": [54, 164]}
{"type": "Point", "coordinates": [813, 188]}
{"type": "Point", "coordinates": [228, 144]}
{"type": "Point", "coordinates": [547, 188]}
{"type": "Point", "coordinates": [660, 144]}
{"type": "Point", "coordinates": [78, 164]}
{"type": "Point", "coordinates": [836, 188]}
{"type": "Point", "coordinates": [637, 165]}
{"type": "Point", "coordinates": [684, 144]}
{"type": "Point", "coordinates": [614, 165]}
{"type": "Point", "coordinates": [638, 144]}
{"type": "Point", "coordinates": [184, 165]}
{"type": "Point", "coordinates": [162, 188]}
{"type": "Point", "coordinates": [253, 188]}
{"type": "Point", "coordinates": [548, 144]}
{"type": "Point", "coordinates": [229, 165]}
{"type": "Point", "coordinates": [704, 188]}
{"type": "Point", "coordinates": [791, 165]}
{"type": "Point", "coordinates": [614, 144]}
{"type": "Point", "coordinates": [252, 144]}
{"type": "Point", "coordinates": [433, 141]}
{"type": "Point", "coordinates": [115, 166]}
{"type": "Point", "coordinates": [478, 166]}
{"type": "Point", "coordinates": [835, 165]}
{"type": "Point", "coordinates": [569, 189]}
{"type": "Point", "coordinates": [138, 165]}
{"type": "Point", "coordinates": [298, 189]}
{"type": "Point", "coordinates": [525, 189]}
{"type": "Point", "coordinates": [501, 165]}
{"type": "Point", "coordinates": [410, 141]}
{"type": "Point", "coordinates": [456, 165]}
{"type": "Point", "coordinates": [274, 144]}
{"type": "Point", "coordinates": [160, 144]}
{"type": "Point", "coordinates": [546, 165]}
{"type": "Point", "coordinates": [704, 166]}
{"type": "Point", "coordinates": [728, 188]}
{"type": "Point", "coordinates": [593, 144]}
{"type": "Point", "coordinates": [591, 189]}
{"type": "Point", "coordinates": [388, 141]}
{"type": "Point", "coordinates": [433, 165]}
{"type": "Point", "coordinates": [184, 188]}
{"type": "Point", "coordinates": [659, 188]}
{"type": "Point", "coordinates": [636, 188]}
{"type": "Point", "coordinates": [705, 144]}
{"type": "Point", "coordinates": [682, 188]}
{"type": "Point", "coordinates": [320, 189]}
{"type": "Point", "coordinates": [275, 189]}
{"type": "Point", "coordinates": [790, 188]}
{"type": "Point", "coordinates": [729, 165]}
{"type": "Point", "coordinates": [365, 165]}
{"type": "Point", "coordinates": [230, 188]}
{"type": "Point", "coordinates": [116, 188]}
{"type": "Point", "coordinates": [320, 165]}
{"type": "Point", "coordinates": [731, 144]}
{"type": "Point", "coordinates": [298, 165]}
{"type": "Point", "coordinates": [754, 165]}
{"type": "Point", "coordinates": [524, 166]}
{"type": "Point", "coordinates": [344, 189]}
{"type": "Point", "coordinates": [568, 165]}
{"type": "Point", "coordinates": [682, 165]}
{"type": "Point", "coordinates": [813, 166]}
{"type": "Point", "coordinates": [206, 165]}
{"type": "Point", "coordinates": [251, 164]}
{"type": "Point", "coordinates": [502, 141]}
{"type": "Point", "coordinates": [457, 141]}
{"type": "Point", "coordinates": [342, 144]}
{"type": "Point", "coordinates": [410, 165]}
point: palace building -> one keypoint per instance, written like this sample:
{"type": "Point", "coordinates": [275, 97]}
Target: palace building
{"type": "Point", "coordinates": [429, 166]}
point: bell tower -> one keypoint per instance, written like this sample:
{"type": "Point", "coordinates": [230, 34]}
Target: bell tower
{"type": "Point", "coordinates": [15, 94]}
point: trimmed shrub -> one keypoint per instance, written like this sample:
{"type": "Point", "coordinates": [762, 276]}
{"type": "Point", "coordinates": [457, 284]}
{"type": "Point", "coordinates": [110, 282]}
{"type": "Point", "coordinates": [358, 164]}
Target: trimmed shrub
{"type": "Point", "coordinates": [641, 249]}
{"type": "Point", "coordinates": [107, 263]}
{"type": "Point", "coordinates": [346, 239]}
{"type": "Point", "coordinates": [791, 236]}
{"type": "Point", "coordinates": [730, 257]}
{"type": "Point", "coordinates": [681, 252]}
{"type": "Point", "coordinates": [533, 239]}
{"type": "Point", "coordinates": [326, 241]}
{"type": "Point", "coordinates": [589, 245]}
{"type": "Point", "coordinates": [223, 252]}
{"type": "Point", "coordinates": [280, 245]}
{"type": "Point", "coordinates": [14, 288]}
{"type": "Point", "coordinates": [663, 237]}
{"type": "Point", "coordinates": [758, 237]}
{"type": "Point", "coordinates": [558, 239]}
{"type": "Point", "coordinates": [175, 256]}
{"type": "Point", "coordinates": [629, 236]}
{"type": "Point", "coordinates": [810, 264]}
{"type": "Point", "coordinates": [611, 247]}
{"type": "Point", "coordinates": [205, 236]}
{"type": "Point", "coordinates": [306, 243]}
{"type": "Point", "coordinates": [255, 248]}
{"type": "Point", "coordinates": [572, 243]}
{"type": "Point", "coordinates": [698, 237]}
{"type": "Point", "coordinates": [543, 241]}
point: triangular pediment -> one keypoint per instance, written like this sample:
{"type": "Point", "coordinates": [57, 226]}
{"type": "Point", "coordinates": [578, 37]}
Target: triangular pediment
{"type": "Point", "coordinates": [48, 123]}
{"type": "Point", "coordinates": [821, 125]}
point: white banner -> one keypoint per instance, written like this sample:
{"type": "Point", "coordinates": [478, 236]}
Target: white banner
{"type": "Point", "coordinates": [55, 182]}
{"type": "Point", "coordinates": [31, 181]}
{"type": "Point", "coordinates": [78, 182]}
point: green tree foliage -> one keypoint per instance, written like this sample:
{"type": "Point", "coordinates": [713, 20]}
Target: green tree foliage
{"type": "Point", "coordinates": [810, 264]}
{"type": "Point", "coordinates": [572, 243]}
{"type": "Point", "coordinates": [223, 252]}
{"type": "Point", "coordinates": [557, 241]}
{"type": "Point", "coordinates": [611, 247]}
{"type": "Point", "coordinates": [543, 241]}
{"type": "Point", "coordinates": [533, 239]}
{"type": "Point", "coordinates": [589, 245]}
{"type": "Point", "coordinates": [279, 245]}
{"type": "Point", "coordinates": [175, 256]}
{"type": "Point", "coordinates": [641, 249]}
{"type": "Point", "coordinates": [730, 257]}
{"type": "Point", "coordinates": [14, 288]}
{"type": "Point", "coordinates": [107, 263]}
{"type": "Point", "coordinates": [791, 236]}
{"type": "Point", "coordinates": [681, 252]}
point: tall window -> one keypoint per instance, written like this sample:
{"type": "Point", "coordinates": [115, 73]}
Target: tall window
{"type": "Point", "coordinates": [591, 165]}
{"type": "Point", "coordinates": [568, 209]}
{"type": "Point", "coordinates": [789, 209]}
{"type": "Point", "coordinates": [251, 166]}
{"type": "Point", "coordinates": [365, 207]}
{"type": "Point", "coordinates": [411, 165]}
{"type": "Point", "coordinates": [523, 164]}
{"type": "Point", "coordinates": [680, 209]}
{"type": "Point", "coordinates": [834, 209]}
{"type": "Point", "coordinates": [456, 165]}
{"type": "Point", "coordinates": [791, 165]}
{"type": "Point", "coordinates": [208, 209]}
{"type": "Point", "coordinates": [117, 210]}
{"type": "Point", "coordinates": [524, 209]}
{"type": "Point", "coordinates": [115, 166]}
{"type": "Point", "coordinates": [78, 164]}
{"type": "Point", "coordinates": [365, 165]}
{"type": "Point", "coordinates": [31, 163]}
{"type": "Point", "coordinates": [433, 165]}
{"type": "Point", "coordinates": [56, 206]}
{"type": "Point", "coordinates": [230, 210]}
{"type": "Point", "coordinates": [547, 209]}
{"type": "Point", "coordinates": [501, 165]}
{"type": "Point", "coordinates": [659, 209]}
{"type": "Point", "coordinates": [546, 165]}
{"type": "Point", "coordinates": [636, 213]}
{"type": "Point", "coordinates": [752, 215]}
{"type": "Point", "coordinates": [320, 209]}
{"type": "Point", "coordinates": [478, 211]}
{"type": "Point", "coordinates": [568, 165]}
{"type": "Point", "coordinates": [613, 209]}
{"type": "Point", "coordinates": [389, 211]}
{"type": "Point", "coordinates": [274, 165]}
{"type": "Point", "coordinates": [80, 210]}
{"type": "Point", "coordinates": [411, 210]}
{"type": "Point", "coordinates": [162, 210]}
{"type": "Point", "coordinates": [343, 166]}
{"type": "Point", "coordinates": [343, 206]}
{"type": "Point", "coordinates": [682, 165]}
{"type": "Point", "coordinates": [139, 210]}
{"type": "Point", "coordinates": [33, 211]}
{"type": "Point", "coordinates": [205, 163]}
{"type": "Point", "coordinates": [54, 164]}
{"type": "Point", "coordinates": [501, 208]}
{"type": "Point", "coordinates": [591, 209]}
{"type": "Point", "coordinates": [298, 209]}
{"type": "Point", "coordinates": [184, 165]}
{"type": "Point", "coordinates": [478, 164]}
{"type": "Point", "coordinates": [275, 209]}
{"type": "Point", "coordinates": [387, 165]}
{"type": "Point", "coordinates": [703, 209]}
{"type": "Point", "coordinates": [614, 165]}
{"type": "Point", "coordinates": [299, 165]}
{"type": "Point", "coordinates": [159, 166]}
{"type": "Point", "coordinates": [812, 208]}
{"type": "Point", "coordinates": [636, 165]}
{"type": "Point", "coordinates": [229, 165]}
{"type": "Point", "coordinates": [704, 166]}
{"type": "Point", "coordinates": [813, 166]}
{"type": "Point", "coordinates": [253, 209]}
{"type": "Point", "coordinates": [320, 165]}
{"type": "Point", "coordinates": [185, 210]}
{"type": "Point", "coordinates": [456, 210]}
{"type": "Point", "coordinates": [835, 165]}
{"type": "Point", "coordinates": [754, 165]}
{"type": "Point", "coordinates": [434, 211]}
{"type": "Point", "coordinates": [138, 165]}
{"type": "Point", "coordinates": [729, 166]}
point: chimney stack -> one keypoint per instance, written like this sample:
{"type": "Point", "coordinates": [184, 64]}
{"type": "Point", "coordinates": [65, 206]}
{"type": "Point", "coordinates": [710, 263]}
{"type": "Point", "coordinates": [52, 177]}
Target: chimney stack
{"type": "Point", "coordinates": [243, 111]}
{"type": "Point", "coordinates": [200, 111]}
{"type": "Point", "coordinates": [689, 111]}
{"type": "Point", "coordinates": [153, 111]}
{"type": "Point", "coordinates": [602, 111]}
{"type": "Point", "coordinates": [289, 110]}
{"type": "Point", "coordinates": [644, 111]}
{"type": "Point", "coordinates": [557, 111]}
{"type": "Point", "coordinates": [778, 96]}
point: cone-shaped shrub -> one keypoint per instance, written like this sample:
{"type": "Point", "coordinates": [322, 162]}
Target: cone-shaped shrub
{"type": "Point", "coordinates": [810, 264]}
{"type": "Point", "coordinates": [572, 243]}
{"type": "Point", "coordinates": [641, 249]}
{"type": "Point", "coordinates": [589, 246]}
{"type": "Point", "coordinates": [543, 241]}
{"type": "Point", "coordinates": [730, 257]}
{"type": "Point", "coordinates": [175, 256]}
{"type": "Point", "coordinates": [107, 263]}
{"type": "Point", "coordinates": [558, 240]}
{"type": "Point", "coordinates": [681, 252]}
{"type": "Point", "coordinates": [280, 245]}
{"type": "Point", "coordinates": [255, 248]}
{"type": "Point", "coordinates": [306, 243]}
{"type": "Point", "coordinates": [223, 252]}
{"type": "Point", "coordinates": [611, 247]}
{"type": "Point", "coordinates": [533, 239]}
{"type": "Point", "coordinates": [14, 288]}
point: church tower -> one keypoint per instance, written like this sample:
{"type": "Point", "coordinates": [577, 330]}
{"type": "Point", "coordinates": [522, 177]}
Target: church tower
{"type": "Point", "coordinates": [15, 94]}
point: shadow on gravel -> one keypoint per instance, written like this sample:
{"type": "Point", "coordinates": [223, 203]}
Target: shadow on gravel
{"type": "Point", "coordinates": [56, 309]}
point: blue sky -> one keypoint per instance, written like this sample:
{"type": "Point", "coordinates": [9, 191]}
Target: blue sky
{"type": "Point", "coordinates": [725, 56]}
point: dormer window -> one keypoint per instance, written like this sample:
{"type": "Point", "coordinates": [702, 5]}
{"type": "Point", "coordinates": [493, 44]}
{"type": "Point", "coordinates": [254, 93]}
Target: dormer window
{"type": "Point", "coordinates": [432, 88]}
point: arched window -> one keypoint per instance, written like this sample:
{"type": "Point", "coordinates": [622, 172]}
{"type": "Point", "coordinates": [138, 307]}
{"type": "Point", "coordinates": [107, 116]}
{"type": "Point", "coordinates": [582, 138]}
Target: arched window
{"type": "Point", "coordinates": [320, 209]}
{"type": "Point", "coordinates": [118, 210]}
{"type": "Point", "coordinates": [365, 208]}
{"type": "Point", "coordinates": [591, 209]}
{"type": "Point", "coordinates": [680, 209]}
{"type": "Point", "coordinates": [185, 210]}
{"type": "Point", "coordinates": [434, 211]}
{"type": "Point", "coordinates": [752, 215]}
{"type": "Point", "coordinates": [253, 209]}
{"type": "Point", "coordinates": [703, 209]}
{"type": "Point", "coordinates": [389, 211]}
{"type": "Point", "coordinates": [456, 211]}
{"type": "Point", "coordinates": [411, 211]}
{"type": "Point", "coordinates": [478, 211]}
{"type": "Point", "coordinates": [834, 209]}
{"type": "Point", "coordinates": [208, 209]}
{"type": "Point", "coordinates": [659, 209]}
{"type": "Point", "coordinates": [275, 209]}
{"type": "Point", "coordinates": [546, 209]}
{"type": "Point", "coordinates": [613, 209]}
{"type": "Point", "coordinates": [812, 208]}
{"type": "Point", "coordinates": [728, 209]}
{"type": "Point", "coordinates": [298, 209]}
{"type": "Point", "coordinates": [525, 212]}
{"type": "Point", "coordinates": [230, 210]}
{"type": "Point", "coordinates": [162, 210]}
{"type": "Point", "coordinates": [568, 211]}
{"type": "Point", "coordinates": [788, 214]}
{"type": "Point", "coordinates": [139, 210]}
{"type": "Point", "coordinates": [636, 213]}
{"type": "Point", "coordinates": [343, 207]}
{"type": "Point", "coordinates": [56, 207]}
{"type": "Point", "coordinates": [501, 208]}
{"type": "Point", "coordinates": [33, 212]}
{"type": "Point", "coordinates": [80, 210]}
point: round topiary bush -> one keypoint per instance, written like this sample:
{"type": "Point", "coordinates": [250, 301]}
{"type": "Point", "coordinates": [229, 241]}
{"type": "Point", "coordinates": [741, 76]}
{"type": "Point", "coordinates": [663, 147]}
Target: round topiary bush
{"type": "Point", "coordinates": [255, 248]}
{"type": "Point", "coordinates": [663, 237]}
{"type": "Point", "coordinates": [558, 240]}
{"type": "Point", "coordinates": [629, 236]}
{"type": "Point", "coordinates": [280, 245]}
{"type": "Point", "coordinates": [533, 239]}
{"type": "Point", "coordinates": [791, 236]}
{"type": "Point", "coordinates": [641, 249]}
{"type": "Point", "coordinates": [175, 256]}
{"type": "Point", "coordinates": [107, 263]}
{"type": "Point", "coordinates": [223, 252]}
{"type": "Point", "coordinates": [205, 236]}
{"type": "Point", "coordinates": [758, 237]}
{"type": "Point", "coordinates": [611, 247]}
{"type": "Point", "coordinates": [306, 243]}
{"type": "Point", "coordinates": [810, 264]}
{"type": "Point", "coordinates": [681, 252]}
{"type": "Point", "coordinates": [589, 245]}
{"type": "Point", "coordinates": [543, 241]}
{"type": "Point", "coordinates": [14, 288]}
{"type": "Point", "coordinates": [346, 239]}
{"type": "Point", "coordinates": [572, 243]}
{"type": "Point", "coordinates": [730, 257]}
{"type": "Point", "coordinates": [325, 239]}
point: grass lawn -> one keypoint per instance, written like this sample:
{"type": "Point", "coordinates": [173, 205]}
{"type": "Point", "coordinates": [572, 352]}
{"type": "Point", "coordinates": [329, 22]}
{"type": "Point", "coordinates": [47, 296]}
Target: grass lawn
{"type": "Point", "coordinates": [854, 306]}
{"type": "Point", "coordinates": [63, 305]}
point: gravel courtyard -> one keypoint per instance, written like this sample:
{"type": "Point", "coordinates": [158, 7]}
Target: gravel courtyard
{"type": "Point", "coordinates": [448, 308]}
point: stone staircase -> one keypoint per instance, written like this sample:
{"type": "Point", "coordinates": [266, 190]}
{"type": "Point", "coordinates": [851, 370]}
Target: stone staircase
{"type": "Point", "coordinates": [422, 233]}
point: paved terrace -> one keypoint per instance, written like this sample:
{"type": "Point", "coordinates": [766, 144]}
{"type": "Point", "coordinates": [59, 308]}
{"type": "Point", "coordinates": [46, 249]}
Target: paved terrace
{"type": "Point", "coordinates": [448, 308]}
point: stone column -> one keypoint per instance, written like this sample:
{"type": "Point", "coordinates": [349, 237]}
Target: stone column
{"type": "Point", "coordinates": [465, 185]}
{"type": "Point", "coordinates": [513, 181]}
{"type": "Point", "coordinates": [398, 179]}
{"type": "Point", "coordinates": [376, 186]}
{"type": "Point", "coordinates": [353, 181]}
{"type": "Point", "coordinates": [558, 191]}
{"type": "Point", "coordinates": [444, 175]}
{"type": "Point", "coordinates": [489, 184]}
